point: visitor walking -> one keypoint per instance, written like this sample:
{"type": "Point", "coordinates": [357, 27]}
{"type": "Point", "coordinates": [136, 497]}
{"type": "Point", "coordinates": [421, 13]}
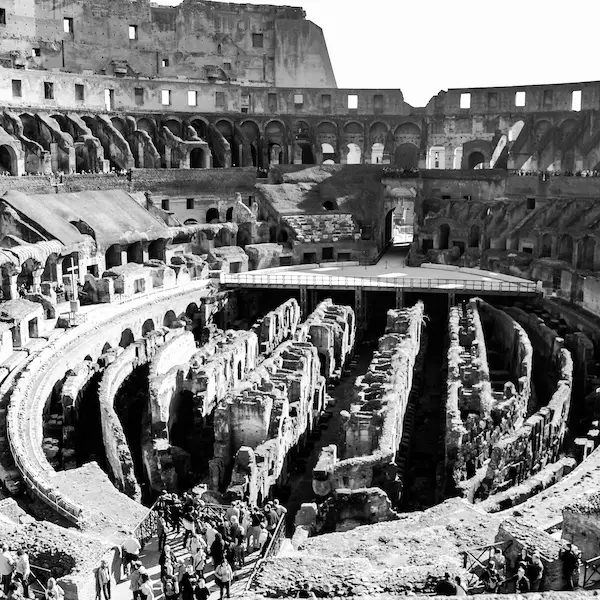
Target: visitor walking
{"type": "Point", "coordinates": [223, 577]}
{"type": "Point", "coordinates": [570, 562]}
{"type": "Point", "coordinates": [53, 590]}
{"type": "Point", "coordinates": [103, 581]}
{"type": "Point", "coordinates": [23, 571]}
{"type": "Point", "coordinates": [535, 572]}
{"type": "Point", "coordinates": [7, 565]}
{"type": "Point", "coordinates": [131, 552]}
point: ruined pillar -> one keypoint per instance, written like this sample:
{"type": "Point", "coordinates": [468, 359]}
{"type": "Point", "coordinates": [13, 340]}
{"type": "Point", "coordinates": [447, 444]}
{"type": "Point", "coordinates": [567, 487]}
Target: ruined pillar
{"type": "Point", "coordinates": [54, 157]}
{"type": "Point", "coordinates": [304, 301]}
{"type": "Point", "coordinates": [37, 280]}
{"type": "Point", "coordinates": [312, 300]}
{"type": "Point", "coordinates": [360, 309]}
{"type": "Point", "coordinates": [451, 299]}
{"type": "Point", "coordinates": [145, 252]}
{"type": "Point", "coordinates": [72, 160]}
{"type": "Point", "coordinates": [399, 298]}
{"type": "Point", "coordinates": [123, 256]}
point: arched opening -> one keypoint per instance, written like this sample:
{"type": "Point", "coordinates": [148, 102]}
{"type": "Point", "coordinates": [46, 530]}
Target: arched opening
{"type": "Point", "coordinates": [106, 348]}
{"type": "Point", "coordinates": [135, 253]}
{"type": "Point", "coordinates": [275, 154]}
{"type": "Point", "coordinates": [476, 160]}
{"type": "Point", "coordinates": [229, 214]}
{"type": "Point", "coordinates": [173, 126]}
{"type": "Point", "coordinates": [148, 126]}
{"type": "Point", "coordinates": [126, 338]}
{"type": "Point", "coordinates": [546, 246]}
{"type": "Point", "coordinates": [377, 154]}
{"type": "Point", "coordinates": [587, 248]}
{"type": "Point", "coordinates": [119, 125]}
{"type": "Point", "coordinates": [328, 154]}
{"type": "Point", "coordinates": [354, 154]}
{"type": "Point", "coordinates": [197, 158]}
{"type": "Point", "coordinates": [157, 250]}
{"type": "Point", "coordinates": [191, 310]}
{"type": "Point", "coordinates": [169, 318]}
{"type": "Point", "coordinates": [407, 156]}
{"type": "Point", "coordinates": [8, 160]}
{"type": "Point", "coordinates": [190, 222]}
{"type": "Point", "coordinates": [565, 249]}
{"type": "Point", "coordinates": [474, 236]}
{"type": "Point", "coordinates": [212, 215]}
{"type": "Point", "coordinates": [113, 256]}
{"type": "Point", "coordinates": [444, 237]}
{"type": "Point", "coordinates": [200, 128]}
{"type": "Point", "coordinates": [147, 327]}
{"type": "Point", "coordinates": [329, 205]}
{"type": "Point", "coordinates": [282, 236]}
{"type": "Point", "coordinates": [240, 373]}
{"type": "Point", "coordinates": [389, 228]}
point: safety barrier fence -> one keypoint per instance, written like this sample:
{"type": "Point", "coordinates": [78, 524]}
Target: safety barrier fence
{"type": "Point", "coordinates": [591, 573]}
{"type": "Point", "coordinates": [272, 549]}
{"type": "Point", "coordinates": [475, 561]}
{"type": "Point", "coordinates": [291, 279]}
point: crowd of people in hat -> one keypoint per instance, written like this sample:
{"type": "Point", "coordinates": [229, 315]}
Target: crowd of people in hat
{"type": "Point", "coordinates": [216, 541]}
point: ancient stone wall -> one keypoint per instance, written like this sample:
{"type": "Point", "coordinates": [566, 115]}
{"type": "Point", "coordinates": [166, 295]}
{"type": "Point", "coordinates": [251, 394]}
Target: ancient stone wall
{"type": "Point", "coordinates": [373, 427]}
{"type": "Point", "coordinates": [118, 453]}
{"type": "Point", "coordinates": [539, 441]}
{"type": "Point", "coordinates": [279, 403]}
{"type": "Point", "coordinates": [277, 326]}
{"type": "Point", "coordinates": [331, 329]}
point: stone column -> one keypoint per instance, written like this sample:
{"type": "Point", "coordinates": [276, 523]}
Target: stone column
{"type": "Point", "coordinates": [123, 255]}
{"type": "Point", "coordinates": [37, 280]}
{"type": "Point", "coordinates": [54, 157]}
{"type": "Point", "coordinates": [399, 298]}
{"type": "Point", "coordinates": [145, 252]}
{"type": "Point", "coordinates": [451, 299]}
{"type": "Point", "coordinates": [360, 309]}
{"type": "Point", "coordinates": [304, 301]}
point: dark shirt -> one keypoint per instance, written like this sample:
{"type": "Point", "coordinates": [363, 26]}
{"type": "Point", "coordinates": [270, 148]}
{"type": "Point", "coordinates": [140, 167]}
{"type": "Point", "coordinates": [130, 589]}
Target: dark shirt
{"type": "Point", "coordinates": [569, 559]}
{"type": "Point", "coordinates": [201, 593]}
{"type": "Point", "coordinates": [534, 571]}
{"type": "Point", "coordinates": [445, 587]}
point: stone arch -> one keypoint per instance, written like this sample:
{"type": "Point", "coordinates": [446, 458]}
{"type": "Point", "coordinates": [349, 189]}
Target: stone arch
{"type": "Point", "coordinates": [229, 214]}
{"type": "Point", "coordinates": [147, 326]}
{"type": "Point", "coordinates": [174, 126]}
{"type": "Point", "coordinates": [565, 248]}
{"type": "Point", "coordinates": [276, 142]}
{"type": "Point", "coordinates": [378, 132]}
{"type": "Point", "coordinates": [444, 237]}
{"type": "Point", "coordinates": [119, 125]}
{"type": "Point", "coordinates": [190, 222]}
{"type": "Point", "coordinates": [326, 138]}
{"type": "Point", "coordinates": [354, 155]}
{"type": "Point", "coordinates": [251, 132]}
{"type": "Point", "coordinates": [408, 129]}
{"type": "Point", "coordinates": [283, 236]}
{"type": "Point", "coordinates": [8, 160]}
{"type": "Point", "coordinates": [212, 214]}
{"type": "Point", "coordinates": [157, 249]}
{"type": "Point", "coordinates": [135, 253]}
{"type": "Point", "coordinates": [585, 255]}
{"type": "Point", "coordinates": [476, 160]}
{"type": "Point", "coordinates": [191, 310]}
{"type": "Point", "coordinates": [546, 246]}
{"type": "Point", "coordinates": [106, 348]}
{"type": "Point", "coordinates": [474, 235]}
{"type": "Point", "coordinates": [540, 129]}
{"type": "Point", "coordinates": [200, 126]}
{"type": "Point", "coordinates": [169, 318]}
{"type": "Point", "coordinates": [377, 153]}
{"type": "Point", "coordinates": [565, 129]}
{"type": "Point", "coordinates": [592, 161]}
{"type": "Point", "coordinates": [197, 159]}
{"type": "Point", "coordinates": [148, 126]}
{"type": "Point", "coordinates": [127, 338]}
{"type": "Point", "coordinates": [113, 256]}
{"type": "Point", "coordinates": [407, 156]}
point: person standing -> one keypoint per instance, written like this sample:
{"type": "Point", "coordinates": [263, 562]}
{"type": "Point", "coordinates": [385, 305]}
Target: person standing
{"type": "Point", "coordinates": [146, 591]}
{"type": "Point", "coordinates": [53, 590]}
{"type": "Point", "coordinates": [223, 577]}
{"type": "Point", "coordinates": [570, 561]}
{"type": "Point", "coordinates": [103, 580]}
{"type": "Point", "coordinates": [131, 552]}
{"type": "Point", "coordinates": [535, 572]}
{"type": "Point", "coordinates": [7, 564]}
{"type": "Point", "coordinates": [23, 571]}
{"type": "Point", "coordinates": [461, 590]}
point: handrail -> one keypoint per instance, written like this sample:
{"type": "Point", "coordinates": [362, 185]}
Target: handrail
{"type": "Point", "coordinates": [272, 549]}
{"type": "Point", "coordinates": [295, 279]}
{"type": "Point", "coordinates": [591, 567]}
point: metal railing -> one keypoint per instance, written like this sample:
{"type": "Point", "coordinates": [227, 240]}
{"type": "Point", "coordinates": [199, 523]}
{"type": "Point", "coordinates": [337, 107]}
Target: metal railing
{"type": "Point", "coordinates": [475, 561]}
{"type": "Point", "coordinates": [591, 572]}
{"type": "Point", "coordinates": [301, 279]}
{"type": "Point", "coordinates": [147, 528]}
{"type": "Point", "coordinates": [273, 548]}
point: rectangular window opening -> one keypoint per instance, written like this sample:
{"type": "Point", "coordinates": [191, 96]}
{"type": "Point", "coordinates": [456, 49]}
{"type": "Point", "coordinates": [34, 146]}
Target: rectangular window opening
{"type": "Point", "coordinates": [17, 88]}
{"type": "Point", "coordinates": [327, 254]}
{"type": "Point", "coordinates": [138, 96]}
{"type": "Point", "coordinates": [2, 16]}
{"type": "Point", "coordinates": [36, 52]}
{"type": "Point", "coordinates": [576, 100]}
{"type": "Point", "coordinates": [48, 90]}
{"type": "Point", "coordinates": [492, 99]}
{"type": "Point", "coordinates": [165, 97]}
{"type": "Point", "coordinates": [68, 25]}
{"type": "Point", "coordinates": [465, 100]}
{"type": "Point", "coordinates": [257, 40]}
{"type": "Point", "coordinates": [192, 98]}
{"type": "Point", "coordinates": [298, 100]}
{"type": "Point", "coordinates": [164, 62]}
{"type": "Point", "coordinates": [378, 101]}
{"type": "Point", "coordinates": [79, 92]}
{"type": "Point", "coordinates": [189, 204]}
{"type": "Point", "coordinates": [520, 99]}
{"type": "Point", "coordinates": [220, 99]}
{"type": "Point", "coordinates": [548, 97]}
{"type": "Point", "coordinates": [245, 103]}
{"type": "Point", "coordinates": [353, 101]}
{"type": "Point", "coordinates": [272, 102]}
{"type": "Point", "coordinates": [227, 66]}
{"type": "Point", "coordinates": [165, 204]}
{"type": "Point", "coordinates": [109, 99]}
{"type": "Point", "coordinates": [326, 101]}
{"type": "Point", "coordinates": [133, 32]}
{"type": "Point", "coordinates": [530, 203]}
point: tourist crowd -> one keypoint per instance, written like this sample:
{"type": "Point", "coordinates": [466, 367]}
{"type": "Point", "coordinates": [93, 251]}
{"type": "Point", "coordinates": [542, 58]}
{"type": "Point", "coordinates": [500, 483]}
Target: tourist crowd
{"type": "Point", "coordinates": [546, 175]}
{"type": "Point", "coordinates": [526, 575]}
{"type": "Point", "coordinates": [216, 540]}
{"type": "Point", "coordinates": [16, 577]}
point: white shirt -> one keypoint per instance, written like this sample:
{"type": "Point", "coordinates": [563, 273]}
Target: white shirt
{"type": "Point", "coordinates": [131, 545]}
{"type": "Point", "coordinates": [6, 563]}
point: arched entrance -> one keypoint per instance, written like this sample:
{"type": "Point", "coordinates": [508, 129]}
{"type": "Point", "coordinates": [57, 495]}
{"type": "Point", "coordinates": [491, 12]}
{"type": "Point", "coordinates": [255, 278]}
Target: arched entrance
{"type": "Point", "coordinates": [113, 256]}
{"type": "Point", "coordinates": [8, 160]}
{"type": "Point", "coordinates": [474, 235]}
{"type": "Point", "coordinates": [444, 237]}
{"type": "Point", "coordinates": [476, 160]}
{"type": "Point", "coordinates": [212, 215]}
{"type": "Point", "coordinates": [197, 158]}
